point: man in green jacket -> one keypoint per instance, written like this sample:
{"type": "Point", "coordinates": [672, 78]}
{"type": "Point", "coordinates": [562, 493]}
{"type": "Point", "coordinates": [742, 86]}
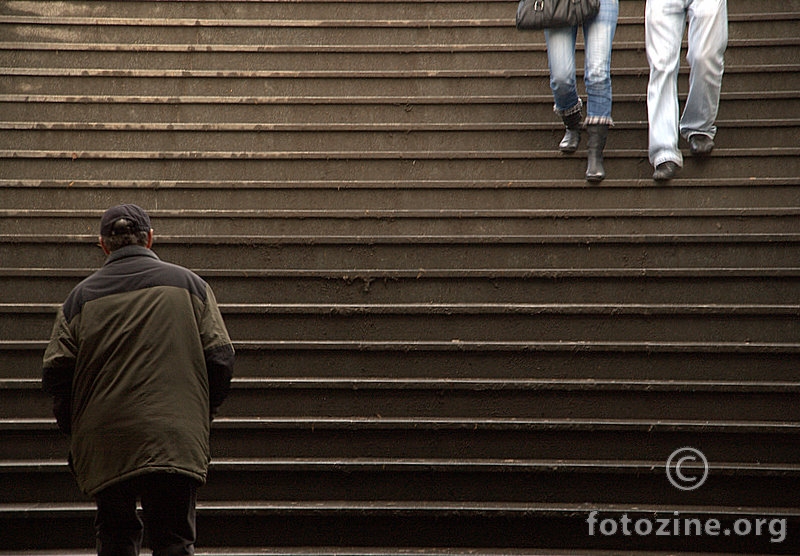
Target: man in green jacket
{"type": "Point", "coordinates": [138, 363]}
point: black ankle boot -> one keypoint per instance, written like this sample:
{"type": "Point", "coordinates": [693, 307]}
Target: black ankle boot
{"type": "Point", "coordinates": [569, 144]}
{"type": "Point", "coordinates": [597, 142]}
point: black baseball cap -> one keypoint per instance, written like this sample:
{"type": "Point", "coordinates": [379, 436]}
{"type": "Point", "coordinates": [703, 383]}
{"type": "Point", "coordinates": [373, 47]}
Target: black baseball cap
{"type": "Point", "coordinates": [134, 216]}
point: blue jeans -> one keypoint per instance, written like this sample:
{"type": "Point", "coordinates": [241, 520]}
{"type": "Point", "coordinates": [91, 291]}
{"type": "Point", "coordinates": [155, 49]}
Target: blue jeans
{"type": "Point", "coordinates": [665, 21]}
{"type": "Point", "coordinates": [598, 33]}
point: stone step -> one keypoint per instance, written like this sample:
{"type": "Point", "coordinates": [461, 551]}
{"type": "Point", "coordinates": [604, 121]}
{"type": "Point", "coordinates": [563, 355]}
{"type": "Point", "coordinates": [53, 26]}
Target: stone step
{"type": "Point", "coordinates": [395, 398]}
{"type": "Point", "coordinates": [454, 438]}
{"type": "Point", "coordinates": [433, 222]}
{"type": "Point", "coordinates": [483, 82]}
{"type": "Point", "coordinates": [447, 57]}
{"type": "Point", "coordinates": [428, 253]}
{"type": "Point", "coordinates": [359, 12]}
{"type": "Point", "coordinates": [423, 323]}
{"type": "Point", "coordinates": [268, 25]}
{"type": "Point", "coordinates": [572, 360]}
{"type": "Point", "coordinates": [492, 286]}
{"type": "Point", "coordinates": [474, 481]}
{"type": "Point", "coordinates": [529, 111]}
{"type": "Point", "coordinates": [314, 138]}
{"type": "Point", "coordinates": [626, 196]}
{"type": "Point", "coordinates": [308, 196]}
{"type": "Point", "coordinates": [456, 525]}
{"type": "Point", "coordinates": [153, 165]}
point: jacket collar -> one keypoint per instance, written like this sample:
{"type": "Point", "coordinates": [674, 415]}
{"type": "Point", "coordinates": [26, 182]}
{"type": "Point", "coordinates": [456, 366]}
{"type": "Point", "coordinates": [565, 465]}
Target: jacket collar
{"type": "Point", "coordinates": [130, 251]}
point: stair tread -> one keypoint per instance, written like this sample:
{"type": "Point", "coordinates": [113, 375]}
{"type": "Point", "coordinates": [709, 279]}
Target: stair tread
{"type": "Point", "coordinates": [383, 551]}
{"type": "Point", "coordinates": [455, 423]}
{"type": "Point", "coordinates": [482, 384]}
{"type": "Point", "coordinates": [313, 239]}
{"type": "Point", "coordinates": [354, 465]}
{"type": "Point", "coordinates": [420, 99]}
{"type": "Point", "coordinates": [333, 506]}
{"type": "Point", "coordinates": [464, 345]}
{"type": "Point", "coordinates": [345, 309]}
{"type": "Point", "coordinates": [528, 213]}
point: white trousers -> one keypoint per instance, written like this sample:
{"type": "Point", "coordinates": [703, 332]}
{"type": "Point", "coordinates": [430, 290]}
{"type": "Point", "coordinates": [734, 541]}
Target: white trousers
{"type": "Point", "coordinates": [665, 21]}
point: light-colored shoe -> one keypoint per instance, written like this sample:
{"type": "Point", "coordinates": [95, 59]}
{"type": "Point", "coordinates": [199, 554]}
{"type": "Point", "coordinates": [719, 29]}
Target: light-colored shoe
{"type": "Point", "coordinates": [665, 171]}
{"type": "Point", "coordinates": [700, 145]}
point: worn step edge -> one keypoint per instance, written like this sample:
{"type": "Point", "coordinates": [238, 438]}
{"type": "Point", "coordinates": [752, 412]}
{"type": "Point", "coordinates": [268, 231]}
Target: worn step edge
{"type": "Point", "coordinates": [366, 274]}
{"type": "Point", "coordinates": [387, 551]}
{"type": "Point", "coordinates": [378, 48]}
{"type": "Point", "coordinates": [360, 74]}
{"type": "Point", "coordinates": [582, 239]}
{"type": "Point", "coordinates": [50, 511]}
{"type": "Point", "coordinates": [401, 155]}
{"type": "Point", "coordinates": [461, 346]}
{"type": "Point", "coordinates": [480, 385]}
{"type": "Point", "coordinates": [465, 309]}
{"type": "Point", "coordinates": [349, 100]}
{"type": "Point", "coordinates": [169, 185]}
{"type": "Point", "coordinates": [390, 551]}
{"type": "Point", "coordinates": [354, 127]}
{"type": "Point", "coordinates": [262, 23]}
{"type": "Point", "coordinates": [437, 214]}
{"type": "Point", "coordinates": [317, 23]}
{"type": "Point", "coordinates": [371, 465]}
{"type": "Point", "coordinates": [448, 424]}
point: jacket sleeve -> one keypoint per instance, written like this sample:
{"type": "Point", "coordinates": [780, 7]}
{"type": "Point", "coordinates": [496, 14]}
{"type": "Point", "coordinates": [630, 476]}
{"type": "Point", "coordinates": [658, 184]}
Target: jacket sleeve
{"type": "Point", "coordinates": [58, 368]}
{"type": "Point", "coordinates": [218, 351]}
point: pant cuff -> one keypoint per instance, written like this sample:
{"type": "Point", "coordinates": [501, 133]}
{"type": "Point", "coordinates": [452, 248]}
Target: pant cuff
{"type": "Point", "coordinates": [598, 120]}
{"type": "Point", "coordinates": [569, 111]}
{"type": "Point", "coordinates": [687, 133]}
{"type": "Point", "coordinates": [667, 157]}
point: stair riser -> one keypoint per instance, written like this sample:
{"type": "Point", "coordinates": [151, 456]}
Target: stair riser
{"type": "Point", "coordinates": [324, 31]}
{"type": "Point", "coordinates": [425, 12]}
{"type": "Point", "coordinates": [351, 166]}
{"type": "Point", "coordinates": [313, 141]}
{"type": "Point", "coordinates": [499, 486]}
{"type": "Point", "coordinates": [310, 194]}
{"type": "Point", "coordinates": [453, 529]}
{"type": "Point", "coordinates": [398, 403]}
{"type": "Point", "coordinates": [521, 82]}
{"type": "Point", "coordinates": [604, 288]}
{"type": "Point", "coordinates": [654, 362]}
{"type": "Point", "coordinates": [388, 59]}
{"type": "Point", "coordinates": [432, 226]}
{"type": "Point", "coordinates": [356, 257]}
{"type": "Point", "coordinates": [723, 327]}
{"type": "Point", "coordinates": [534, 109]}
{"type": "Point", "coordinates": [565, 441]}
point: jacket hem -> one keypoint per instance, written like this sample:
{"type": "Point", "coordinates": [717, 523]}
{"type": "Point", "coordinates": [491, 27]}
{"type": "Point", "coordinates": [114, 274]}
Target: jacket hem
{"type": "Point", "coordinates": [93, 491]}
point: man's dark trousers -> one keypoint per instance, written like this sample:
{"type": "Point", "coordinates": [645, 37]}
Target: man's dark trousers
{"type": "Point", "coordinates": [168, 501]}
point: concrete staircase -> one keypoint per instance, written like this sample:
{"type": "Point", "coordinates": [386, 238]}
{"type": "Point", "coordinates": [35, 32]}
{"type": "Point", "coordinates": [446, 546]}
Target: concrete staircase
{"type": "Point", "coordinates": [449, 343]}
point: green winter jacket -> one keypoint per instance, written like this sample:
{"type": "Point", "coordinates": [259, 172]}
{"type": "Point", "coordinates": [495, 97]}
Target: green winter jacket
{"type": "Point", "coordinates": [138, 362]}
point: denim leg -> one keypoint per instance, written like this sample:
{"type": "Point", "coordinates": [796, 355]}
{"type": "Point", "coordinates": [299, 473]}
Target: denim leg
{"type": "Point", "coordinates": [598, 36]}
{"type": "Point", "coordinates": [561, 59]}
{"type": "Point", "coordinates": [708, 39]}
{"type": "Point", "coordinates": [664, 24]}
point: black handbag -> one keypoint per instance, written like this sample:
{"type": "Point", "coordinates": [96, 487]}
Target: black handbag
{"type": "Point", "coordinates": [551, 14]}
